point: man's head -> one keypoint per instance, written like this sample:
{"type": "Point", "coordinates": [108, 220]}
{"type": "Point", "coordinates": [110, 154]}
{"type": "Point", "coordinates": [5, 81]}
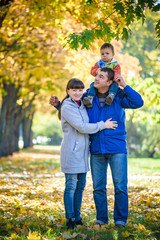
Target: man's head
{"type": "Point", "coordinates": [107, 52]}
{"type": "Point", "coordinates": [104, 79]}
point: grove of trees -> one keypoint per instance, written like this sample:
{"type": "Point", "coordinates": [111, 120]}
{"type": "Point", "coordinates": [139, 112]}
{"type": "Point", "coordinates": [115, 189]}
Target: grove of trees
{"type": "Point", "coordinates": [44, 43]}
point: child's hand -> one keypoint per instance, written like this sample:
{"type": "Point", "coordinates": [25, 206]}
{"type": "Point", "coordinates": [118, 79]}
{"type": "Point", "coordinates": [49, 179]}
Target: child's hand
{"type": "Point", "coordinates": [111, 124]}
{"type": "Point", "coordinates": [98, 70]}
{"type": "Point", "coordinates": [54, 101]}
{"type": "Point", "coordinates": [119, 79]}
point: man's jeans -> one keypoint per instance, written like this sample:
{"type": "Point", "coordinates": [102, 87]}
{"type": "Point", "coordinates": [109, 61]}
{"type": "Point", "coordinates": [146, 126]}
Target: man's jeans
{"type": "Point", "coordinates": [118, 165]}
{"type": "Point", "coordinates": [74, 187]}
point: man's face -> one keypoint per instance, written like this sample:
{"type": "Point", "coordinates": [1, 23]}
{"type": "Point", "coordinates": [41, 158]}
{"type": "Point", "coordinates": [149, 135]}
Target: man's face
{"type": "Point", "coordinates": [107, 55]}
{"type": "Point", "coordinates": [101, 80]}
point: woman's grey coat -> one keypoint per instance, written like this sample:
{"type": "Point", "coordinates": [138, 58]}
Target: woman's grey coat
{"type": "Point", "coordinates": [75, 143]}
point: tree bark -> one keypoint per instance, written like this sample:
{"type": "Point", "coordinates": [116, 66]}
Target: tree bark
{"type": "Point", "coordinates": [2, 115]}
{"type": "Point", "coordinates": [151, 154]}
{"type": "Point", "coordinates": [19, 117]}
{"type": "Point", "coordinates": [27, 130]}
{"type": "Point", "coordinates": [7, 142]}
{"type": "Point", "coordinates": [15, 137]}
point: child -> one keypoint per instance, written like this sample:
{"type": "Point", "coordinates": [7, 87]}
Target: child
{"type": "Point", "coordinates": [75, 148]}
{"type": "Point", "coordinates": [107, 60]}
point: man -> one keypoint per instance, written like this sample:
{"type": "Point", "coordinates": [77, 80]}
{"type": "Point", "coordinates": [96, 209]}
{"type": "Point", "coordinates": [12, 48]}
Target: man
{"type": "Point", "coordinates": [109, 146]}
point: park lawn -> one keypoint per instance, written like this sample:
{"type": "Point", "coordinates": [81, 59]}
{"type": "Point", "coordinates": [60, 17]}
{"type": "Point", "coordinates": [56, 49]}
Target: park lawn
{"type": "Point", "coordinates": [147, 166]}
{"type": "Point", "coordinates": [31, 200]}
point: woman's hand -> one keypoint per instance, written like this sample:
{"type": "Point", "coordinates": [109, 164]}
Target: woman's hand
{"type": "Point", "coordinates": [111, 124]}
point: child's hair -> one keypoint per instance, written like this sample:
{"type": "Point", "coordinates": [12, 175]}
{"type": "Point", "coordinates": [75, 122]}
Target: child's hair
{"type": "Point", "coordinates": [107, 45]}
{"type": "Point", "coordinates": [73, 83]}
{"type": "Point", "coordinates": [110, 73]}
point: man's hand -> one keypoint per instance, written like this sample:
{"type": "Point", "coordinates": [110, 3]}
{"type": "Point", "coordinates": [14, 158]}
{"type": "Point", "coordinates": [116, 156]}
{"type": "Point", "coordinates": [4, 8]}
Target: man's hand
{"type": "Point", "coordinates": [119, 79]}
{"type": "Point", "coordinates": [54, 101]}
{"type": "Point", "coordinates": [111, 124]}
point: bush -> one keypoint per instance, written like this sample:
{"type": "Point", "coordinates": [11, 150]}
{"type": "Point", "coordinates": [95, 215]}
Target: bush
{"type": "Point", "coordinates": [47, 129]}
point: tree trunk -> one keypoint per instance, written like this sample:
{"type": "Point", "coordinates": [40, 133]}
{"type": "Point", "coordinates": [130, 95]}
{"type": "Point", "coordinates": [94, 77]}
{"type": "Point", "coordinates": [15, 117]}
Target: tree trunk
{"type": "Point", "coordinates": [2, 116]}
{"type": "Point", "coordinates": [27, 131]}
{"type": "Point", "coordinates": [7, 142]}
{"type": "Point", "coordinates": [18, 117]}
{"type": "Point", "coordinates": [151, 154]}
{"type": "Point", "coordinates": [15, 136]}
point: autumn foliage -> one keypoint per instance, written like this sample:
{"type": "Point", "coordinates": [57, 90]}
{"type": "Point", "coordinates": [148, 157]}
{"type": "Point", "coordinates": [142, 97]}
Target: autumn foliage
{"type": "Point", "coordinates": [31, 200]}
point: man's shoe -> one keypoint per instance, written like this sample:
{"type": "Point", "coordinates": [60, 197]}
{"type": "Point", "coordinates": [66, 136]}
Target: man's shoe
{"type": "Point", "coordinates": [71, 224]}
{"type": "Point", "coordinates": [119, 225]}
{"type": "Point", "coordinates": [88, 101]}
{"type": "Point", "coordinates": [110, 98]}
{"type": "Point", "coordinates": [79, 222]}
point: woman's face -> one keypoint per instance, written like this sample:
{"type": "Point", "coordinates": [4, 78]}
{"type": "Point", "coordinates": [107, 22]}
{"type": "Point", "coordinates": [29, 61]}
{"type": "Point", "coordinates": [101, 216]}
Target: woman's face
{"type": "Point", "coordinates": [75, 94]}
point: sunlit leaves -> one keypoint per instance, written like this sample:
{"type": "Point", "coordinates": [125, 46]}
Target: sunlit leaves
{"type": "Point", "coordinates": [86, 38]}
{"type": "Point", "coordinates": [125, 34]}
{"type": "Point", "coordinates": [127, 11]}
{"type": "Point", "coordinates": [120, 8]}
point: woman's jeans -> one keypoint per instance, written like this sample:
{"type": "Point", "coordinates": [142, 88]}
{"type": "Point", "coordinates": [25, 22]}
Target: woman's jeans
{"type": "Point", "coordinates": [74, 187]}
{"type": "Point", "coordinates": [118, 165]}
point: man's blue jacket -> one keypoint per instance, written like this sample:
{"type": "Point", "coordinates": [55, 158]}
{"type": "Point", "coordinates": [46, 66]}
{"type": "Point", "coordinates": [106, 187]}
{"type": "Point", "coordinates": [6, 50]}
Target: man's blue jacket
{"type": "Point", "coordinates": [109, 140]}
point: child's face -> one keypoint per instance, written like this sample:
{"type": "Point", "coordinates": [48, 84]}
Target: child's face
{"type": "Point", "coordinates": [107, 55]}
{"type": "Point", "coordinates": [75, 94]}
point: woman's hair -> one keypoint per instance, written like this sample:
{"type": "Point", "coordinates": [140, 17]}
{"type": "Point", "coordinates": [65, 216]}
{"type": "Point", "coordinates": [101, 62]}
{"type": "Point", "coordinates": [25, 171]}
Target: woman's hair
{"type": "Point", "coordinates": [73, 83]}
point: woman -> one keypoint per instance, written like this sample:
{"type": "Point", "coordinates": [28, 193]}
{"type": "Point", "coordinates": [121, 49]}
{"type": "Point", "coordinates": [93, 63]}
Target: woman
{"type": "Point", "coordinates": [75, 148]}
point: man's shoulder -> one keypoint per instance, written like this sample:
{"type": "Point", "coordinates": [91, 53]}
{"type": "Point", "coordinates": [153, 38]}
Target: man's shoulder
{"type": "Point", "coordinates": [120, 93]}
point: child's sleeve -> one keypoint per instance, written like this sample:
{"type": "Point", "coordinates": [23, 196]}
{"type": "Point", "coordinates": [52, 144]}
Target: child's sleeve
{"type": "Point", "coordinates": [94, 70]}
{"type": "Point", "coordinates": [117, 70]}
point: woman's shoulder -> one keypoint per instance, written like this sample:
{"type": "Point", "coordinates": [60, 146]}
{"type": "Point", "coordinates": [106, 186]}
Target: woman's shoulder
{"type": "Point", "coordinates": [72, 103]}
{"type": "Point", "coordinates": [69, 103]}
{"type": "Point", "coordinates": [66, 101]}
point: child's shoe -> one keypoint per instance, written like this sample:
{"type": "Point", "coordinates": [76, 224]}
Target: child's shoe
{"type": "Point", "coordinates": [88, 101]}
{"type": "Point", "coordinates": [71, 224]}
{"type": "Point", "coordinates": [79, 222]}
{"type": "Point", "coordinates": [110, 98]}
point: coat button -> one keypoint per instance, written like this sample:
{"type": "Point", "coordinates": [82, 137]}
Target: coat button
{"type": "Point", "coordinates": [76, 142]}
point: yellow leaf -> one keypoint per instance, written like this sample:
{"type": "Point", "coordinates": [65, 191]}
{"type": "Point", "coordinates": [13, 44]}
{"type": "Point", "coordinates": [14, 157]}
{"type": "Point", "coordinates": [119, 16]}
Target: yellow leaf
{"type": "Point", "coordinates": [33, 236]}
{"type": "Point", "coordinates": [22, 210]}
{"type": "Point", "coordinates": [9, 226]}
{"type": "Point", "coordinates": [141, 228]}
{"type": "Point", "coordinates": [83, 236]}
{"type": "Point", "coordinates": [112, 230]}
{"type": "Point", "coordinates": [13, 236]}
{"type": "Point", "coordinates": [96, 227]}
{"type": "Point", "coordinates": [67, 236]}
{"type": "Point", "coordinates": [74, 235]}
{"type": "Point", "coordinates": [49, 230]}
{"type": "Point", "coordinates": [125, 234]}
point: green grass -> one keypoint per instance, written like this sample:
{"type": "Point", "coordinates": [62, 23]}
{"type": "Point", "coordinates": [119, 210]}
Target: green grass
{"type": "Point", "coordinates": [31, 200]}
{"type": "Point", "coordinates": [148, 166]}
